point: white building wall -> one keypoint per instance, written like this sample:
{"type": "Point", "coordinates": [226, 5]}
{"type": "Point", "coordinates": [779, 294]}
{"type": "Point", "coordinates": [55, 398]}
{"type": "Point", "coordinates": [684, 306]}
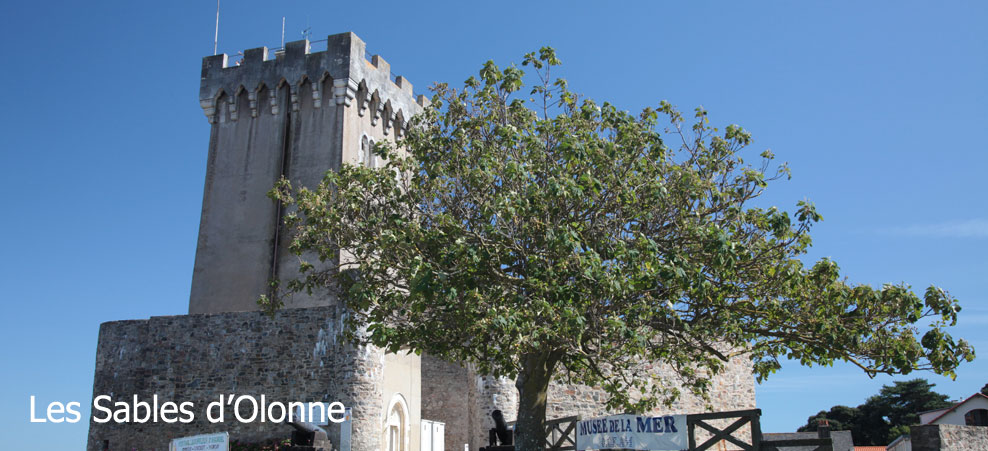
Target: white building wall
{"type": "Point", "coordinates": [956, 416]}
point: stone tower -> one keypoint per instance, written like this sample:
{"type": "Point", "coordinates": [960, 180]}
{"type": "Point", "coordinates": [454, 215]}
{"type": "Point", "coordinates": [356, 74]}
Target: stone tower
{"type": "Point", "coordinates": [292, 113]}
{"type": "Point", "coordinates": [295, 114]}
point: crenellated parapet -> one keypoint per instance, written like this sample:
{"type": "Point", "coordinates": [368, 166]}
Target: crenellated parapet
{"type": "Point", "coordinates": [340, 76]}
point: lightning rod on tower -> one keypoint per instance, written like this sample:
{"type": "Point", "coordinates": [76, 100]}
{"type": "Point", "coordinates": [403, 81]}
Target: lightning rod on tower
{"type": "Point", "coordinates": [216, 36]}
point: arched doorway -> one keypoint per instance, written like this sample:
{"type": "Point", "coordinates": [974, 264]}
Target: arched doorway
{"type": "Point", "coordinates": [396, 425]}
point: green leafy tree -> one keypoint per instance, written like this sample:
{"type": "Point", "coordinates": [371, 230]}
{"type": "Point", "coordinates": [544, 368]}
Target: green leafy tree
{"type": "Point", "coordinates": [885, 416]}
{"type": "Point", "coordinates": [840, 418]}
{"type": "Point", "coordinates": [548, 235]}
{"type": "Point", "coordinates": [984, 390]}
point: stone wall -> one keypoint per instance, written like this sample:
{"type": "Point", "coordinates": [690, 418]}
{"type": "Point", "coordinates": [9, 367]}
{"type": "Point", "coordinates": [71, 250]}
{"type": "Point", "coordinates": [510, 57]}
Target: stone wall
{"type": "Point", "coordinates": [464, 400]}
{"type": "Point", "coordinates": [447, 397]}
{"type": "Point", "coordinates": [456, 395]}
{"type": "Point", "coordinates": [948, 437]}
{"type": "Point", "coordinates": [492, 393]}
{"type": "Point", "coordinates": [732, 389]}
{"type": "Point", "coordinates": [295, 356]}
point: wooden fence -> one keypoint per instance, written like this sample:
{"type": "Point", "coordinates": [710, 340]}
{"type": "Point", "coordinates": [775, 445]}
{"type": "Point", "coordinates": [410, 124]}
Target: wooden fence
{"type": "Point", "coordinates": [560, 433]}
{"type": "Point", "coordinates": [743, 417]}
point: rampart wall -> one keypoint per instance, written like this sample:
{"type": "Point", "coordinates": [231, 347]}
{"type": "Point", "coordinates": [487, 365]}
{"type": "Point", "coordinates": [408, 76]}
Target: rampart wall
{"type": "Point", "coordinates": [295, 356]}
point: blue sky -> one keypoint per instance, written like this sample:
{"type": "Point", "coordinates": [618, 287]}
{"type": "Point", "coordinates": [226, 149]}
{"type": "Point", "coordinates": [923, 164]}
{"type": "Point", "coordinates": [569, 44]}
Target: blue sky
{"type": "Point", "coordinates": [879, 107]}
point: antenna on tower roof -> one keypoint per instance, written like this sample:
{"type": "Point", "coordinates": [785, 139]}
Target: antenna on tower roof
{"type": "Point", "coordinates": [282, 31]}
{"type": "Point", "coordinates": [216, 37]}
{"type": "Point", "coordinates": [307, 32]}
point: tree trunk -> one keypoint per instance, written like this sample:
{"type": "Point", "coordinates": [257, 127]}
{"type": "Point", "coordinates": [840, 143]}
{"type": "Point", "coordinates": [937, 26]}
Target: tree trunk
{"type": "Point", "coordinates": [533, 386]}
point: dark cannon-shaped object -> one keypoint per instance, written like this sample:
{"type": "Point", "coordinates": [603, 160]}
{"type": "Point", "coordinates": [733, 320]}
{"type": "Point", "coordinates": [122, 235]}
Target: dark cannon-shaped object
{"type": "Point", "coordinates": [501, 437]}
{"type": "Point", "coordinates": [305, 434]}
{"type": "Point", "coordinates": [308, 437]}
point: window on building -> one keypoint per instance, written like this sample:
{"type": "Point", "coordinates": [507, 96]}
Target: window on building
{"type": "Point", "coordinates": [364, 150]}
{"type": "Point", "coordinates": [976, 417]}
{"type": "Point", "coordinates": [371, 159]}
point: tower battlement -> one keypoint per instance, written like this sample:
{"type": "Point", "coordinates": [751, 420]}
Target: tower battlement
{"type": "Point", "coordinates": [293, 113]}
{"type": "Point", "coordinates": [341, 75]}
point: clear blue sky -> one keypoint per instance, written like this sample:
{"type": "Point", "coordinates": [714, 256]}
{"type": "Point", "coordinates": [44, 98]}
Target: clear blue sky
{"type": "Point", "coordinates": [880, 108]}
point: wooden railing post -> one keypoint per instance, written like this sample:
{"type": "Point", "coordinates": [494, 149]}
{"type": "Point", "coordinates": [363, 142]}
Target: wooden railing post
{"type": "Point", "coordinates": [756, 432]}
{"type": "Point", "coordinates": [691, 430]}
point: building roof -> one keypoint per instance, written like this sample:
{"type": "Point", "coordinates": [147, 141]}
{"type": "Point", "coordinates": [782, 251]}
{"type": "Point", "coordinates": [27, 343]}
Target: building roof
{"type": "Point", "coordinates": [898, 439]}
{"type": "Point", "coordinates": [841, 439]}
{"type": "Point", "coordinates": [935, 410]}
{"type": "Point", "coordinates": [974, 396]}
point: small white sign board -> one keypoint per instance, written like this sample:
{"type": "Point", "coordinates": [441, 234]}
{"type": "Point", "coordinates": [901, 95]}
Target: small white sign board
{"type": "Point", "coordinates": [205, 442]}
{"type": "Point", "coordinates": [641, 432]}
{"type": "Point", "coordinates": [346, 428]}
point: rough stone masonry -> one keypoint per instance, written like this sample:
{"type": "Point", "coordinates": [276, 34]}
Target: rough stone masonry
{"type": "Point", "coordinates": [294, 356]}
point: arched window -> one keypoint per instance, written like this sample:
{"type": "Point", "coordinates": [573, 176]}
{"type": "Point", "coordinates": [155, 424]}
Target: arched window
{"type": "Point", "coordinates": [976, 417]}
{"type": "Point", "coordinates": [364, 150]}
{"type": "Point", "coordinates": [396, 425]}
{"type": "Point", "coordinates": [370, 159]}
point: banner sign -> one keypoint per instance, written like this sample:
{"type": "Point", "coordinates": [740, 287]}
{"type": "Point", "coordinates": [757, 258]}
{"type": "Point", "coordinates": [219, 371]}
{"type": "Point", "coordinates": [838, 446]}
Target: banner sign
{"type": "Point", "coordinates": [206, 442]}
{"type": "Point", "coordinates": [641, 432]}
